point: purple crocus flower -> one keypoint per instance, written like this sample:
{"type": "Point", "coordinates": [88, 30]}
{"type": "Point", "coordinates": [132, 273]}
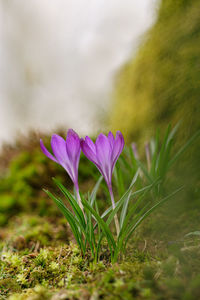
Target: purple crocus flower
{"type": "Point", "coordinates": [104, 154]}
{"type": "Point", "coordinates": [67, 154]}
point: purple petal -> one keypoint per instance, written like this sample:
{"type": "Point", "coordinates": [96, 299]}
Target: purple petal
{"type": "Point", "coordinates": [104, 151]}
{"type": "Point", "coordinates": [73, 149]}
{"type": "Point", "coordinates": [111, 139]}
{"type": "Point", "coordinates": [46, 152]}
{"type": "Point", "coordinates": [71, 132]}
{"type": "Point", "coordinates": [90, 144]}
{"type": "Point", "coordinates": [89, 152]}
{"type": "Point", "coordinates": [103, 148]}
{"type": "Point", "coordinates": [73, 145]}
{"type": "Point", "coordinates": [117, 148]}
{"type": "Point", "coordinates": [58, 146]}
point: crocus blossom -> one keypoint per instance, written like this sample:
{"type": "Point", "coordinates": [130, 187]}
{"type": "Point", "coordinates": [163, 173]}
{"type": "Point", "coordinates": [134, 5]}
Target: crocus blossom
{"type": "Point", "coordinates": [104, 152]}
{"type": "Point", "coordinates": [67, 154]}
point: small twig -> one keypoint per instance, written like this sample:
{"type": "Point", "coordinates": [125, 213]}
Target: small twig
{"type": "Point", "coordinates": [145, 245]}
{"type": "Point", "coordinates": [60, 253]}
{"type": "Point", "coordinates": [37, 247]}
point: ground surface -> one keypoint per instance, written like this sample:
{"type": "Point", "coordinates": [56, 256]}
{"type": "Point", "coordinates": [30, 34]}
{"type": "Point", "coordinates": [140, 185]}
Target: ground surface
{"type": "Point", "coordinates": [40, 260]}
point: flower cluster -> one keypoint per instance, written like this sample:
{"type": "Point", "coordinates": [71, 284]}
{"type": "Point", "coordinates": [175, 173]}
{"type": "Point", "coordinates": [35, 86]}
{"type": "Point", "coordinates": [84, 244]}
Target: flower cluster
{"type": "Point", "coordinates": [88, 225]}
{"type": "Point", "coordinates": [103, 153]}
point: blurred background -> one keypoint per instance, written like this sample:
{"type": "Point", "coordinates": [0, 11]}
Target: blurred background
{"type": "Point", "coordinates": [132, 66]}
{"type": "Point", "coordinates": [59, 60]}
{"type": "Point", "coordinates": [100, 65]}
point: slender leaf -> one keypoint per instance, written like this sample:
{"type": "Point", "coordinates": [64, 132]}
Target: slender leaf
{"type": "Point", "coordinates": [70, 218]}
{"type": "Point", "coordinates": [102, 224]}
{"type": "Point", "coordinates": [151, 210]}
{"type": "Point", "coordinates": [126, 202]}
{"type": "Point", "coordinates": [76, 208]}
{"type": "Point", "coordinates": [182, 150]}
{"type": "Point", "coordinates": [145, 171]}
{"type": "Point", "coordinates": [94, 191]}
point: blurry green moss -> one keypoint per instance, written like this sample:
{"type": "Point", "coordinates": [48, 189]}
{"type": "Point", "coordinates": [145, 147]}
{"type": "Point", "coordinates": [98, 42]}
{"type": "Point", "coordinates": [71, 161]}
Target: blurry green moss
{"type": "Point", "coordinates": [58, 271]}
{"type": "Point", "coordinates": [27, 173]}
{"type": "Point", "coordinates": [161, 84]}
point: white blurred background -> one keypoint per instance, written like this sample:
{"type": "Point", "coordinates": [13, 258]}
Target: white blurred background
{"type": "Point", "coordinates": [58, 60]}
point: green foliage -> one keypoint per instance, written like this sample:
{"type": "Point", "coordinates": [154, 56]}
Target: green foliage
{"type": "Point", "coordinates": [38, 261]}
{"type": "Point", "coordinates": [133, 207]}
{"type": "Point", "coordinates": [29, 171]}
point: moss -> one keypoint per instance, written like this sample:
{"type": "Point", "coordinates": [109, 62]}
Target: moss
{"type": "Point", "coordinates": [148, 271]}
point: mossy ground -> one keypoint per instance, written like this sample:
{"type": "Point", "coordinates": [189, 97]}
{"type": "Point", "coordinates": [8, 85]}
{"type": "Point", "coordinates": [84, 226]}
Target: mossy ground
{"type": "Point", "coordinates": [40, 260]}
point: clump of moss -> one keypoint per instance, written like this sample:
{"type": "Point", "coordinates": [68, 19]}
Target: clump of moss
{"type": "Point", "coordinates": [54, 270]}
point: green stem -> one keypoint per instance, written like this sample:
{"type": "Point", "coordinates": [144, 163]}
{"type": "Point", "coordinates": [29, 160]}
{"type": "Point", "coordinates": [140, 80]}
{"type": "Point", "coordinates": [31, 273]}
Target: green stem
{"type": "Point", "coordinates": [113, 205]}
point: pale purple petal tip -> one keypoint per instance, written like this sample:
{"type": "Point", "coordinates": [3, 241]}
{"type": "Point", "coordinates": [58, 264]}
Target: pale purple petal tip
{"type": "Point", "coordinates": [46, 152]}
{"type": "Point", "coordinates": [135, 152]}
{"type": "Point", "coordinates": [71, 132]}
{"type": "Point", "coordinates": [111, 138]}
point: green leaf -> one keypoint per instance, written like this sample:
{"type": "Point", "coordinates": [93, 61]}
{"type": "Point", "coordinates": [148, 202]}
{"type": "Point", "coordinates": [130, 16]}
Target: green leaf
{"type": "Point", "coordinates": [126, 202]}
{"type": "Point", "coordinates": [119, 180]}
{"type": "Point", "coordinates": [160, 159]}
{"type": "Point", "coordinates": [121, 201]}
{"type": "Point", "coordinates": [182, 150]}
{"type": "Point", "coordinates": [76, 208]}
{"type": "Point", "coordinates": [102, 224]}
{"type": "Point", "coordinates": [197, 233]}
{"type": "Point", "coordinates": [173, 132]}
{"type": "Point", "coordinates": [70, 218]}
{"type": "Point", "coordinates": [144, 170]}
{"type": "Point", "coordinates": [94, 191]}
{"type": "Point", "coordinates": [146, 214]}
{"type": "Point", "coordinates": [133, 210]}
{"type": "Point", "coordinates": [154, 155]}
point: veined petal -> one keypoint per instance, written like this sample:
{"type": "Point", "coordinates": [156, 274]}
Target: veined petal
{"type": "Point", "coordinates": [73, 145]}
{"type": "Point", "coordinates": [103, 152]}
{"type": "Point", "coordinates": [73, 149]}
{"type": "Point", "coordinates": [72, 132]}
{"type": "Point", "coordinates": [111, 139]}
{"type": "Point", "coordinates": [117, 148]}
{"type": "Point", "coordinates": [46, 152]}
{"type": "Point", "coordinates": [89, 152]}
{"type": "Point", "coordinates": [103, 148]}
{"type": "Point", "coordinates": [90, 144]}
{"type": "Point", "coordinates": [58, 145]}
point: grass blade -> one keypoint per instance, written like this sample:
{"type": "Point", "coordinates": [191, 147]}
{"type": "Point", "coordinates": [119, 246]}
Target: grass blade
{"type": "Point", "coordinates": [76, 208]}
{"type": "Point", "coordinates": [126, 202]}
{"type": "Point", "coordinates": [94, 191]}
{"type": "Point", "coordinates": [182, 150]}
{"type": "Point", "coordinates": [70, 218]}
{"type": "Point", "coordinates": [151, 210]}
{"type": "Point", "coordinates": [103, 226]}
